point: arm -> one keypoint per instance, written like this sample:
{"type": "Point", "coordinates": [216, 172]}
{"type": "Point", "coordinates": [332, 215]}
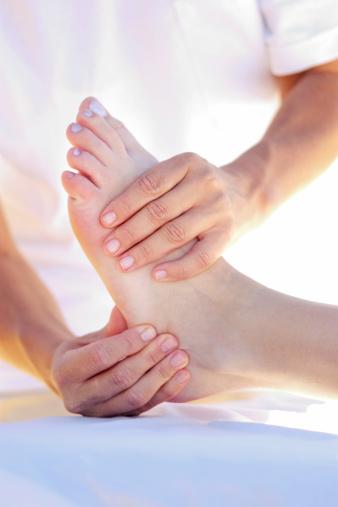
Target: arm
{"type": "Point", "coordinates": [186, 197]}
{"type": "Point", "coordinates": [288, 343]}
{"type": "Point", "coordinates": [111, 372]}
{"type": "Point", "coordinates": [31, 325]}
{"type": "Point", "coordinates": [300, 143]}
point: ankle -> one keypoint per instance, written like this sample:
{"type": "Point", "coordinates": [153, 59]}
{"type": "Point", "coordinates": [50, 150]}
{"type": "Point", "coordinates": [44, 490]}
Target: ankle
{"type": "Point", "coordinates": [243, 350]}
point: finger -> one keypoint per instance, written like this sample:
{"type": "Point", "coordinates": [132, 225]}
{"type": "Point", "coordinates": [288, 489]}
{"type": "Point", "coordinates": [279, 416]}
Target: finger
{"type": "Point", "coordinates": [170, 390]}
{"type": "Point", "coordinates": [151, 218]}
{"type": "Point", "coordinates": [200, 258]}
{"type": "Point", "coordinates": [149, 186]}
{"type": "Point", "coordinates": [125, 374]}
{"type": "Point", "coordinates": [84, 362]}
{"type": "Point", "coordinates": [144, 390]}
{"type": "Point", "coordinates": [171, 236]}
{"type": "Point", "coordinates": [117, 323]}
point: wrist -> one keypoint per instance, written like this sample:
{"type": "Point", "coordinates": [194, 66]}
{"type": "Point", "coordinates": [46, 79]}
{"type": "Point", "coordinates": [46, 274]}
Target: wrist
{"type": "Point", "coordinates": [31, 325]}
{"type": "Point", "coordinates": [39, 343]}
{"type": "Point", "coordinates": [249, 176]}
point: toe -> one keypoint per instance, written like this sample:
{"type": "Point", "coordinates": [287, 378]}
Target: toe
{"type": "Point", "coordinates": [93, 105]}
{"type": "Point", "coordinates": [77, 186]}
{"type": "Point", "coordinates": [85, 139]}
{"type": "Point", "coordinates": [129, 141]}
{"type": "Point", "coordinates": [87, 164]}
{"type": "Point", "coordinates": [103, 130]}
{"type": "Point", "coordinates": [95, 116]}
{"type": "Point", "coordinates": [133, 148]}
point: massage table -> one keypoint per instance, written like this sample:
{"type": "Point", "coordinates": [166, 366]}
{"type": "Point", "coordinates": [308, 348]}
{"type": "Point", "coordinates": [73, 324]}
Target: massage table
{"type": "Point", "coordinates": [235, 454]}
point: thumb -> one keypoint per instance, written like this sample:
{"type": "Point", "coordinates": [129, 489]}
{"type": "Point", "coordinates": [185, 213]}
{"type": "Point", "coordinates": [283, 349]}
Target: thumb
{"type": "Point", "coordinates": [117, 323]}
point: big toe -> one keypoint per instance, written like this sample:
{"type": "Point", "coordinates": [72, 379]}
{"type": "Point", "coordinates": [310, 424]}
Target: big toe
{"type": "Point", "coordinates": [132, 146]}
{"type": "Point", "coordinates": [94, 117]}
{"type": "Point", "coordinates": [117, 134]}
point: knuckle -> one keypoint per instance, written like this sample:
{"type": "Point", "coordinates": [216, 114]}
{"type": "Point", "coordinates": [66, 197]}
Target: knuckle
{"type": "Point", "coordinates": [191, 158]}
{"type": "Point", "coordinates": [164, 370]}
{"type": "Point", "coordinates": [128, 343]}
{"type": "Point", "coordinates": [203, 259]}
{"type": "Point", "coordinates": [153, 357]}
{"type": "Point", "coordinates": [60, 376]}
{"type": "Point", "coordinates": [121, 378]}
{"type": "Point", "coordinates": [174, 232]}
{"type": "Point", "coordinates": [156, 211]}
{"type": "Point", "coordinates": [126, 234]}
{"type": "Point", "coordinates": [220, 200]}
{"type": "Point", "coordinates": [123, 206]}
{"type": "Point", "coordinates": [135, 399]}
{"type": "Point", "coordinates": [149, 184]}
{"type": "Point", "coordinates": [98, 355]}
{"type": "Point", "coordinates": [167, 392]}
{"type": "Point", "coordinates": [210, 177]}
{"type": "Point", "coordinates": [73, 405]}
{"type": "Point", "coordinates": [181, 272]}
{"type": "Point", "coordinates": [143, 252]}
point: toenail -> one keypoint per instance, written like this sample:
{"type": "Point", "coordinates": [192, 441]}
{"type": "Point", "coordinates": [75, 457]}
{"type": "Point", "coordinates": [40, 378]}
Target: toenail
{"type": "Point", "coordinates": [75, 128]}
{"type": "Point", "coordinates": [97, 108]}
{"type": "Point", "coordinates": [112, 246]}
{"type": "Point", "coordinates": [126, 262]}
{"type": "Point", "coordinates": [109, 218]}
{"type": "Point", "coordinates": [179, 359]}
{"type": "Point", "coordinates": [88, 113]}
{"type": "Point", "coordinates": [68, 174]}
{"type": "Point", "coordinates": [76, 152]}
{"type": "Point", "coordinates": [161, 274]}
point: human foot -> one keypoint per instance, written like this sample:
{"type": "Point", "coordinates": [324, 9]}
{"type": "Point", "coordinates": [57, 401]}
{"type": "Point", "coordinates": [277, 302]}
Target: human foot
{"type": "Point", "coordinates": [108, 158]}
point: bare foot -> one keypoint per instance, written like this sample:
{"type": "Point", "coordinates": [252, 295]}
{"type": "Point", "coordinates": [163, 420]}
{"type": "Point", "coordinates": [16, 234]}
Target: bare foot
{"type": "Point", "coordinates": [108, 158]}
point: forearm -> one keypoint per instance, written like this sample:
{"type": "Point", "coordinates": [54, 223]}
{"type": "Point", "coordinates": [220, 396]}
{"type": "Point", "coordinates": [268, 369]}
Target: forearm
{"type": "Point", "coordinates": [298, 343]}
{"type": "Point", "coordinates": [31, 326]}
{"type": "Point", "coordinates": [300, 143]}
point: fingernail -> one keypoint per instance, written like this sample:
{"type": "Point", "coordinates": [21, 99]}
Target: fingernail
{"type": "Point", "coordinates": [179, 359]}
{"type": "Point", "coordinates": [75, 128]}
{"type": "Point", "coordinates": [76, 152]}
{"type": "Point", "coordinates": [88, 113]}
{"type": "Point", "coordinates": [109, 218]}
{"type": "Point", "coordinates": [126, 262]}
{"type": "Point", "coordinates": [147, 333]}
{"type": "Point", "coordinates": [182, 376]}
{"type": "Point", "coordinates": [112, 246]}
{"type": "Point", "coordinates": [161, 274]}
{"type": "Point", "coordinates": [97, 108]}
{"type": "Point", "coordinates": [169, 344]}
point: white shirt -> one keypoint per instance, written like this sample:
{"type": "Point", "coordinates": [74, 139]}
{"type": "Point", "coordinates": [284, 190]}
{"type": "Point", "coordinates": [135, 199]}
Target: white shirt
{"type": "Point", "coordinates": [184, 75]}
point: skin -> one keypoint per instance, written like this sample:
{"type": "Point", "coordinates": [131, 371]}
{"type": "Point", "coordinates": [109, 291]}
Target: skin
{"type": "Point", "coordinates": [187, 197]}
{"type": "Point", "coordinates": [36, 343]}
{"type": "Point", "coordinates": [238, 333]}
{"type": "Point", "coordinates": [109, 370]}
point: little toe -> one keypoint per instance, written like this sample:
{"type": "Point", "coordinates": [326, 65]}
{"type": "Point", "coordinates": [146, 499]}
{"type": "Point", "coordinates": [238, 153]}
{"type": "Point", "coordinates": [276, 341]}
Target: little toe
{"type": "Point", "coordinates": [87, 164]}
{"type": "Point", "coordinates": [85, 139]}
{"type": "Point", "coordinates": [78, 187]}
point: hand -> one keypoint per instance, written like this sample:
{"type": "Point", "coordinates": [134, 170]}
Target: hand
{"type": "Point", "coordinates": [181, 199]}
{"type": "Point", "coordinates": [118, 371]}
